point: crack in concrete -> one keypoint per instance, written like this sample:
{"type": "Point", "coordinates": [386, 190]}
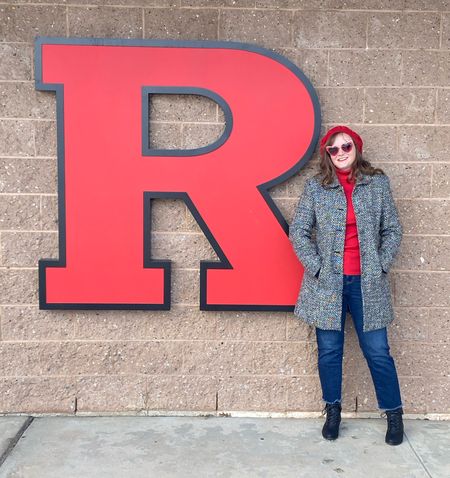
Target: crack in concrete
{"type": "Point", "coordinates": [15, 439]}
{"type": "Point", "coordinates": [418, 456]}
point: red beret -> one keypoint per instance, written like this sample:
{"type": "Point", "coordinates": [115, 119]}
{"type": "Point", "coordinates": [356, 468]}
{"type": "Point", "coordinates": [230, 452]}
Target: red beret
{"type": "Point", "coordinates": [342, 129]}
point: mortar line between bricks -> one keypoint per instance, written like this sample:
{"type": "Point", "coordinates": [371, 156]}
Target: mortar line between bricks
{"type": "Point", "coordinates": [186, 374]}
{"type": "Point", "coordinates": [159, 122]}
{"type": "Point", "coordinates": [275, 9]}
{"type": "Point", "coordinates": [436, 105]}
{"type": "Point", "coordinates": [4, 80]}
{"type": "Point", "coordinates": [431, 181]}
{"type": "Point", "coordinates": [37, 157]}
{"type": "Point", "coordinates": [419, 458]}
{"type": "Point", "coordinates": [367, 32]}
{"type": "Point", "coordinates": [30, 232]}
{"type": "Point", "coordinates": [15, 439]}
{"type": "Point", "coordinates": [181, 374]}
{"type": "Point", "coordinates": [276, 197]}
{"type": "Point", "coordinates": [220, 341]}
{"type": "Point", "coordinates": [325, 123]}
{"type": "Point", "coordinates": [87, 5]}
{"type": "Point", "coordinates": [357, 49]}
{"type": "Point", "coordinates": [364, 101]}
{"type": "Point", "coordinates": [67, 20]}
{"type": "Point", "coordinates": [41, 217]}
{"type": "Point", "coordinates": [33, 135]}
{"type": "Point", "coordinates": [327, 86]}
{"type": "Point", "coordinates": [13, 231]}
{"type": "Point", "coordinates": [401, 68]}
{"type": "Point", "coordinates": [188, 269]}
{"type": "Point", "coordinates": [29, 194]}
{"type": "Point", "coordinates": [181, 306]}
{"type": "Point", "coordinates": [397, 140]}
{"type": "Point", "coordinates": [291, 30]}
{"type": "Point", "coordinates": [167, 340]}
{"type": "Point", "coordinates": [16, 119]}
{"type": "Point", "coordinates": [218, 23]}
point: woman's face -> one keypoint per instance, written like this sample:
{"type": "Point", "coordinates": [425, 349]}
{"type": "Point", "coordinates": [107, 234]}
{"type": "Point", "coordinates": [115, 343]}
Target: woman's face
{"type": "Point", "coordinates": [343, 159]}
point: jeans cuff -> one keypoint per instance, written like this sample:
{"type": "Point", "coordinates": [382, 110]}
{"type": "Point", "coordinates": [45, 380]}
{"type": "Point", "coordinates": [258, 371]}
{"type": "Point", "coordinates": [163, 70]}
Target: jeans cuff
{"type": "Point", "coordinates": [336, 401]}
{"type": "Point", "coordinates": [392, 409]}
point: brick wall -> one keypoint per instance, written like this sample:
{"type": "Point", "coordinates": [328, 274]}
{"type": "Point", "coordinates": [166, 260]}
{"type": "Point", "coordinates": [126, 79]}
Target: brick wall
{"type": "Point", "coordinates": [380, 66]}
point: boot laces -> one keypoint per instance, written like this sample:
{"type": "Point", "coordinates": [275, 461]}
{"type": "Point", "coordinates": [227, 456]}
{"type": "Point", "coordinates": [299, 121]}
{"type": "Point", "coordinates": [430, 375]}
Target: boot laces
{"type": "Point", "coordinates": [394, 420]}
{"type": "Point", "coordinates": [333, 413]}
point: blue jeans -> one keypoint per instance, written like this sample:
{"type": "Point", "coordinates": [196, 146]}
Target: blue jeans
{"type": "Point", "coordinates": [374, 345]}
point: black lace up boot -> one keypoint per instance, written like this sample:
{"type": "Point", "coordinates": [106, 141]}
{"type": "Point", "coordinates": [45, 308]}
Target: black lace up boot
{"type": "Point", "coordinates": [330, 429]}
{"type": "Point", "coordinates": [394, 434]}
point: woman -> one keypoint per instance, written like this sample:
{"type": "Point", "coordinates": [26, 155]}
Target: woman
{"type": "Point", "coordinates": [349, 206]}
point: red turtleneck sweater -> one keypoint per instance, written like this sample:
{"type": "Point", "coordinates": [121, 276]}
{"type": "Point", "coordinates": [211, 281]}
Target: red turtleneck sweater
{"type": "Point", "coordinates": [352, 264]}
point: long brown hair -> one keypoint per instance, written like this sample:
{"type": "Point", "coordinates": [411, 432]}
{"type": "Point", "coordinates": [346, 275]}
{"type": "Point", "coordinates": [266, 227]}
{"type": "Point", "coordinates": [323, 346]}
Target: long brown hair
{"type": "Point", "coordinates": [360, 165]}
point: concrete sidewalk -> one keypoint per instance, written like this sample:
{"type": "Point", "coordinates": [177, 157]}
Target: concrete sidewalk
{"type": "Point", "coordinates": [138, 447]}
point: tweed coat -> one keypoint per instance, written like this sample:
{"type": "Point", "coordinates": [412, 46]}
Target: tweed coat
{"type": "Point", "coordinates": [321, 212]}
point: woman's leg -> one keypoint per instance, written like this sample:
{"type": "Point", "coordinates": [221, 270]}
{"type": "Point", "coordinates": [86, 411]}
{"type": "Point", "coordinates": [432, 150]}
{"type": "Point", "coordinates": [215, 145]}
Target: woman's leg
{"type": "Point", "coordinates": [375, 347]}
{"type": "Point", "coordinates": [330, 344]}
{"type": "Point", "coordinates": [330, 351]}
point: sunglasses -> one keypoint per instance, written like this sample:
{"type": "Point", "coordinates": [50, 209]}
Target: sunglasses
{"type": "Point", "coordinates": [334, 150]}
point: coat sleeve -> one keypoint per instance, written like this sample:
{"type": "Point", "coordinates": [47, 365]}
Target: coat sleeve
{"type": "Point", "coordinates": [390, 228]}
{"type": "Point", "coordinates": [300, 231]}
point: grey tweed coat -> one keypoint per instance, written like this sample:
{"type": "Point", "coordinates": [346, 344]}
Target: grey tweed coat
{"type": "Point", "coordinates": [322, 210]}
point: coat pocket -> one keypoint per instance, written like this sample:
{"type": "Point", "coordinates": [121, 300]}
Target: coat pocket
{"type": "Point", "coordinates": [377, 259]}
{"type": "Point", "coordinates": [309, 292]}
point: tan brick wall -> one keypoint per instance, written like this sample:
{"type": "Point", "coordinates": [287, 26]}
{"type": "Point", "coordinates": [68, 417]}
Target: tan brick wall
{"type": "Point", "coordinates": [381, 66]}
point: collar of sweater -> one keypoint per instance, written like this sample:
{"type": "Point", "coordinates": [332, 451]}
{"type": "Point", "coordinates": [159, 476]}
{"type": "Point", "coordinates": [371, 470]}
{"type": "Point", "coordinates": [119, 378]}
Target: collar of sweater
{"type": "Point", "coordinates": [343, 172]}
{"type": "Point", "coordinates": [342, 176]}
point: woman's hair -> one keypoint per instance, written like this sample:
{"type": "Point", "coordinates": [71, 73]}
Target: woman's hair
{"type": "Point", "coordinates": [359, 166]}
